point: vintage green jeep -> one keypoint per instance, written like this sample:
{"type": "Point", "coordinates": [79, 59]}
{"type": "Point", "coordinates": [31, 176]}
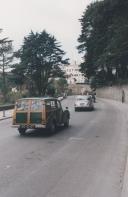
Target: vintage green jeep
{"type": "Point", "coordinates": [37, 113]}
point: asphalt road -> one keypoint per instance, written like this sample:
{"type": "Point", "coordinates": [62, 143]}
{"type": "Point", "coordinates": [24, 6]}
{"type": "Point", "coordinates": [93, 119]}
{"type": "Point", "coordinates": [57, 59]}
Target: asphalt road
{"type": "Point", "coordinates": [86, 160]}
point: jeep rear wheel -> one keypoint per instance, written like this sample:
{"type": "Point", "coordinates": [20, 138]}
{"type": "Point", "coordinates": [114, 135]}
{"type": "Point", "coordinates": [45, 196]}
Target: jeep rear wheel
{"type": "Point", "coordinates": [22, 131]}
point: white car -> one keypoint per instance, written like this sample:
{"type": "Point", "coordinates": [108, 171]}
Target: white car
{"type": "Point", "coordinates": [84, 102]}
{"type": "Point", "coordinates": [60, 98]}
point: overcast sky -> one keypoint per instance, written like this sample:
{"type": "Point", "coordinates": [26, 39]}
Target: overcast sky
{"type": "Point", "coordinates": [57, 17]}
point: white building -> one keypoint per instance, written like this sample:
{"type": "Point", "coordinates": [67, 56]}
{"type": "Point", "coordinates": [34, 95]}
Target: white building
{"type": "Point", "coordinates": [73, 75]}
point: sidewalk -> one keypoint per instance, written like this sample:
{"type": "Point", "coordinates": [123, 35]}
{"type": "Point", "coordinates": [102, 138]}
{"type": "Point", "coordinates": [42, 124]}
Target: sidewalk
{"type": "Point", "coordinates": [6, 114]}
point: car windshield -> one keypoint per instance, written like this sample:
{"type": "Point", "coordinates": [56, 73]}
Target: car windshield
{"type": "Point", "coordinates": [82, 98]}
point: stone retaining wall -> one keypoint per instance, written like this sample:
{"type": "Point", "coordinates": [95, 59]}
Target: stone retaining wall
{"type": "Point", "coordinates": [114, 92]}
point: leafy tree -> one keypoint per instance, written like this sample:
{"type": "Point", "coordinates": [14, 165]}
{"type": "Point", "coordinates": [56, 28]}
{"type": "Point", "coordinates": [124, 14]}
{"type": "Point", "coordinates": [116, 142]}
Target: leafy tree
{"type": "Point", "coordinates": [41, 59]}
{"type": "Point", "coordinates": [6, 58]}
{"type": "Point", "coordinates": [18, 78]}
{"type": "Point", "coordinates": [50, 90]}
{"type": "Point", "coordinates": [61, 85]}
{"type": "Point", "coordinates": [103, 40]}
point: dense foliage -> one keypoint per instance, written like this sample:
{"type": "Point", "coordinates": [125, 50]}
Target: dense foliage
{"type": "Point", "coordinates": [60, 85]}
{"type": "Point", "coordinates": [6, 57]}
{"type": "Point", "coordinates": [40, 60]}
{"type": "Point", "coordinates": [104, 42]}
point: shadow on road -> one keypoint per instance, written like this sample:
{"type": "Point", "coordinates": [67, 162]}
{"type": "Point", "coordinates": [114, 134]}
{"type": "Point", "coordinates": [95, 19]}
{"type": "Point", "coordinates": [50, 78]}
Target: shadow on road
{"type": "Point", "coordinates": [43, 133]}
{"type": "Point", "coordinates": [88, 110]}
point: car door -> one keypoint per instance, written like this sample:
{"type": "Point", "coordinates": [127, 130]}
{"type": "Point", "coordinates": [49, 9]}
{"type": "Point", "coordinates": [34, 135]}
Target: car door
{"type": "Point", "coordinates": [50, 110]}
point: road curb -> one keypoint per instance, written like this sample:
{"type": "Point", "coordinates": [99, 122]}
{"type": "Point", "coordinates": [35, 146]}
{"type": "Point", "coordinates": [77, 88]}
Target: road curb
{"type": "Point", "coordinates": [124, 188]}
{"type": "Point", "coordinates": [124, 192]}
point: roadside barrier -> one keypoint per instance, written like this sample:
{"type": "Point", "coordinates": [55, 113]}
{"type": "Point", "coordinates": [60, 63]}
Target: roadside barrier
{"type": "Point", "coordinates": [6, 110]}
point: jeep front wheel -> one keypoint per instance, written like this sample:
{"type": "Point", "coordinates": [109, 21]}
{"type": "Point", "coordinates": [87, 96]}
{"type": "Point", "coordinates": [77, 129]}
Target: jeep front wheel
{"type": "Point", "coordinates": [66, 123]}
{"type": "Point", "coordinates": [52, 127]}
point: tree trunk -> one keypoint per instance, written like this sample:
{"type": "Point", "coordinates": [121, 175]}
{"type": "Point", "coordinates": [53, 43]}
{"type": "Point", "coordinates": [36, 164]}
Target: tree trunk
{"type": "Point", "coordinates": [4, 89]}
